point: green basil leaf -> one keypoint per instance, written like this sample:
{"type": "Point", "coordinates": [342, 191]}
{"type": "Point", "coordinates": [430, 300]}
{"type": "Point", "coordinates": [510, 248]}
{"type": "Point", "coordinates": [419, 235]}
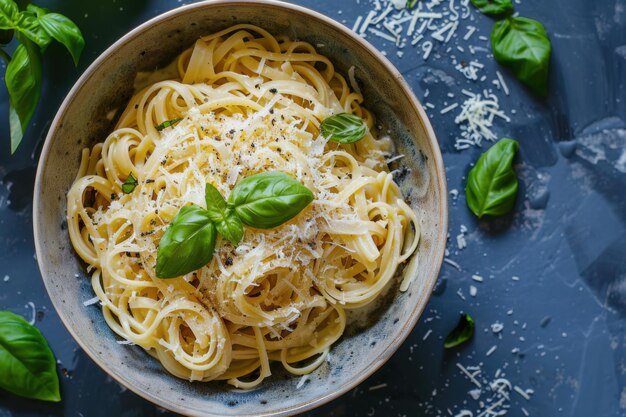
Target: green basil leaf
{"type": "Point", "coordinates": [224, 217]}
{"type": "Point", "coordinates": [343, 128]}
{"type": "Point", "coordinates": [494, 7]}
{"type": "Point", "coordinates": [25, 22]}
{"type": "Point", "coordinates": [27, 365]}
{"type": "Point", "coordinates": [167, 123]}
{"type": "Point", "coordinates": [523, 46]}
{"type": "Point", "coordinates": [64, 31]}
{"type": "Point", "coordinates": [23, 80]}
{"type": "Point", "coordinates": [410, 4]}
{"type": "Point", "coordinates": [187, 244]}
{"type": "Point", "coordinates": [36, 10]}
{"type": "Point", "coordinates": [9, 13]}
{"type": "Point", "coordinates": [492, 184]}
{"type": "Point", "coordinates": [130, 184]}
{"type": "Point", "coordinates": [463, 332]}
{"type": "Point", "coordinates": [29, 26]}
{"type": "Point", "coordinates": [269, 199]}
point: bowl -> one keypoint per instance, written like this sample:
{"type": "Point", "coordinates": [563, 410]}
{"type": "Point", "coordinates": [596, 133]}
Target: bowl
{"type": "Point", "coordinates": [85, 118]}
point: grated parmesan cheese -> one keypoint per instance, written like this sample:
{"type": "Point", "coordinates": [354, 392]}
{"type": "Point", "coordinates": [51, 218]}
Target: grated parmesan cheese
{"type": "Point", "coordinates": [431, 28]}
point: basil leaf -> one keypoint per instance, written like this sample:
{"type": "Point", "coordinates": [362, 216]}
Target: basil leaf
{"type": "Point", "coordinates": [269, 199]}
{"type": "Point", "coordinates": [187, 244]}
{"type": "Point", "coordinates": [343, 128]}
{"type": "Point", "coordinates": [64, 31]}
{"type": "Point", "coordinates": [523, 46]}
{"type": "Point", "coordinates": [463, 332]}
{"type": "Point", "coordinates": [225, 218]}
{"type": "Point", "coordinates": [36, 10]}
{"type": "Point", "coordinates": [25, 22]}
{"type": "Point", "coordinates": [410, 4]}
{"type": "Point", "coordinates": [130, 184]}
{"type": "Point", "coordinates": [27, 365]}
{"type": "Point", "coordinates": [29, 25]}
{"type": "Point", "coordinates": [9, 13]}
{"type": "Point", "coordinates": [167, 123]}
{"type": "Point", "coordinates": [494, 7]}
{"type": "Point", "coordinates": [492, 184]}
{"type": "Point", "coordinates": [23, 80]}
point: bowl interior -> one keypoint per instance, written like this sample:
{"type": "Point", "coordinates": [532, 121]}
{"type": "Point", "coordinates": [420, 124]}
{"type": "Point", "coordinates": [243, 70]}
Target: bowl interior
{"type": "Point", "coordinates": [85, 118]}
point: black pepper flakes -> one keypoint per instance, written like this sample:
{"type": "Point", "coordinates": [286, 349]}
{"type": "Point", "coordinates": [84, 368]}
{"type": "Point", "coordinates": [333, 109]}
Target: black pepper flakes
{"type": "Point", "coordinates": [273, 90]}
{"type": "Point", "coordinates": [229, 261]}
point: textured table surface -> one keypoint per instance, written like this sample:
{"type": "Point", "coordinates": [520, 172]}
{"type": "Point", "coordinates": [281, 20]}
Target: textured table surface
{"type": "Point", "coordinates": [554, 272]}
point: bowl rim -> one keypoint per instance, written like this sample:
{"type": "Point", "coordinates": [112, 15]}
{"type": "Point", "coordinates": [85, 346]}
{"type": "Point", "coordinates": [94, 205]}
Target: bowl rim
{"type": "Point", "coordinates": [439, 243]}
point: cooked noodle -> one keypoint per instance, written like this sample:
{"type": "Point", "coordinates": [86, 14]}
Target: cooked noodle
{"type": "Point", "coordinates": [249, 102]}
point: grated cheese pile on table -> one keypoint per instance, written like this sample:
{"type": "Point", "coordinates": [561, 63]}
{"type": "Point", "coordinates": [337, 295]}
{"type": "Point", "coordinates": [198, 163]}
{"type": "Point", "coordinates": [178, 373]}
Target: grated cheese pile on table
{"type": "Point", "coordinates": [493, 395]}
{"type": "Point", "coordinates": [444, 29]}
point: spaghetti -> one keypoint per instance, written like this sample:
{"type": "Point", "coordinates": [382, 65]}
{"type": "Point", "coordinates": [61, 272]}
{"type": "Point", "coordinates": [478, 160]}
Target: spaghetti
{"type": "Point", "coordinates": [248, 102]}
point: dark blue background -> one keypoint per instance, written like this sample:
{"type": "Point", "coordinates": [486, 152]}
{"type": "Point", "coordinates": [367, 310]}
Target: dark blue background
{"type": "Point", "coordinates": [569, 254]}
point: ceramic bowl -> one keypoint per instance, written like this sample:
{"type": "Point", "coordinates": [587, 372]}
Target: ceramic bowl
{"type": "Point", "coordinates": [85, 118]}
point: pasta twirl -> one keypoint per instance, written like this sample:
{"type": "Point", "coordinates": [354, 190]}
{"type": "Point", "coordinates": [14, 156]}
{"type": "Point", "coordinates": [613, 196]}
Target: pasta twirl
{"type": "Point", "coordinates": [248, 102]}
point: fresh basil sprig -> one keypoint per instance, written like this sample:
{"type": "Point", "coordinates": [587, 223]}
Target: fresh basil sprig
{"type": "Point", "coordinates": [27, 365]}
{"type": "Point", "coordinates": [343, 128]}
{"type": "Point", "coordinates": [187, 244]}
{"type": "Point", "coordinates": [35, 28]}
{"type": "Point", "coordinates": [167, 123]}
{"type": "Point", "coordinates": [492, 184]}
{"type": "Point", "coordinates": [519, 43]}
{"type": "Point", "coordinates": [494, 7]}
{"type": "Point", "coordinates": [226, 220]}
{"type": "Point", "coordinates": [522, 45]}
{"type": "Point", "coordinates": [463, 332]}
{"type": "Point", "coordinates": [269, 199]}
{"type": "Point", "coordinates": [263, 201]}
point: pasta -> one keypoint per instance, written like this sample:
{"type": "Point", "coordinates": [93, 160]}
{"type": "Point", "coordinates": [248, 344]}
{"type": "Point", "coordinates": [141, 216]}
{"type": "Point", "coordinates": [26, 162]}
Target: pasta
{"type": "Point", "coordinates": [248, 102]}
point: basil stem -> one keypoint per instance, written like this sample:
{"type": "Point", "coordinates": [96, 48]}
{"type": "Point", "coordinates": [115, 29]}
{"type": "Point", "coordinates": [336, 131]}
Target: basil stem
{"type": "Point", "coordinates": [343, 128]}
{"type": "Point", "coordinates": [492, 184]}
